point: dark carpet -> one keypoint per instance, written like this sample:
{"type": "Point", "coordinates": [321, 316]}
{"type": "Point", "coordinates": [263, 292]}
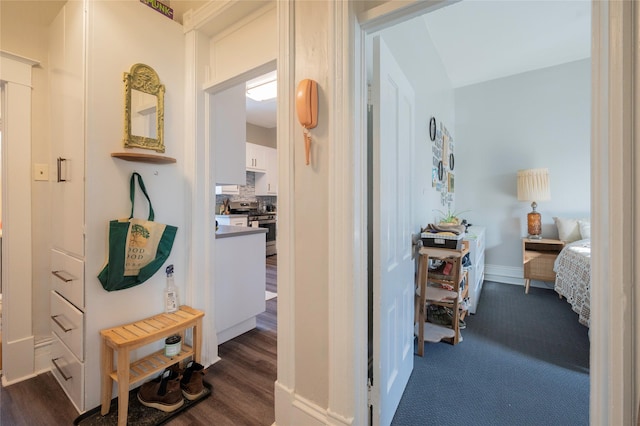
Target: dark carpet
{"type": "Point", "coordinates": [524, 360]}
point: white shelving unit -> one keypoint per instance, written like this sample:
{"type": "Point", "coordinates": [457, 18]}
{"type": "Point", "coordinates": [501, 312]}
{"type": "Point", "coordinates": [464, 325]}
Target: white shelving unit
{"type": "Point", "coordinates": [476, 238]}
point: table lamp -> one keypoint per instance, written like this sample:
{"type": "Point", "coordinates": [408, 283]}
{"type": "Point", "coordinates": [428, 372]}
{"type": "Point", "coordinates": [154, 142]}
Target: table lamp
{"type": "Point", "coordinates": [533, 185]}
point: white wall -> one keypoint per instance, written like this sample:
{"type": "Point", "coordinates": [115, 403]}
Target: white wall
{"type": "Point", "coordinates": [261, 135]}
{"type": "Point", "coordinates": [535, 119]}
{"type": "Point", "coordinates": [123, 33]}
{"type": "Point", "coordinates": [434, 98]}
{"type": "Point", "coordinates": [15, 23]}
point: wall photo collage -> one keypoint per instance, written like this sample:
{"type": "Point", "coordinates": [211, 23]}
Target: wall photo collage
{"type": "Point", "coordinates": [442, 174]}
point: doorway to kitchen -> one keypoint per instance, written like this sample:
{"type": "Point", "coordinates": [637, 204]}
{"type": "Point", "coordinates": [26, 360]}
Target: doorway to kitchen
{"type": "Point", "coordinates": [252, 200]}
{"type": "Point", "coordinates": [261, 189]}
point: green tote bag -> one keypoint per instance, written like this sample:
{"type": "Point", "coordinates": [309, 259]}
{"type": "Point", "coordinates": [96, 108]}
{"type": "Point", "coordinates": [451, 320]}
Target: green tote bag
{"type": "Point", "coordinates": [137, 247]}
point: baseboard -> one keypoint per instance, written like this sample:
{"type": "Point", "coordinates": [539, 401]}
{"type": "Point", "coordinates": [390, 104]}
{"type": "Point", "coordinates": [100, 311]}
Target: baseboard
{"type": "Point", "coordinates": [510, 275]}
{"type": "Point", "coordinates": [292, 409]}
{"type": "Point", "coordinates": [236, 330]}
{"type": "Point", "coordinates": [18, 360]}
{"type": "Point", "coordinates": [504, 274]}
{"type": "Point", "coordinates": [6, 382]}
{"type": "Point", "coordinates": [42, 360]}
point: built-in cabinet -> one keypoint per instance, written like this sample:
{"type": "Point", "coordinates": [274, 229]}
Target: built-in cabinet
{"type": "Point", "coordinates": [67, 301]}
{"type": "Point", "coordinates": [267, 182]}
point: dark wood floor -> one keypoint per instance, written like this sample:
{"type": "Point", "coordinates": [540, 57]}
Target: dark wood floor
{"type": "Point", "coordinates": [243, 383]}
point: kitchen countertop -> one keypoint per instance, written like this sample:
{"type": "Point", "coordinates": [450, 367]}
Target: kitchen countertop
{"type": "Point", "coordinates": [231, 215]}
{"type": "Point", "coordinates": [225, 231]}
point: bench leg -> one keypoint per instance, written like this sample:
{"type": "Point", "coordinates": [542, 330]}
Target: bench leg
{"type": "Point", "coordinates": [107, 382]}
{"type": "Point", "coordinates": [123, 386]}
{"type": "Point", "coordinates": [197, 340]}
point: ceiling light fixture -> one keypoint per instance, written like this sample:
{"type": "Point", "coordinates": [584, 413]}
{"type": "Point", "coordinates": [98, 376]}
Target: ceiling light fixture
{"type": "Point", "coordinates": [263, 88]}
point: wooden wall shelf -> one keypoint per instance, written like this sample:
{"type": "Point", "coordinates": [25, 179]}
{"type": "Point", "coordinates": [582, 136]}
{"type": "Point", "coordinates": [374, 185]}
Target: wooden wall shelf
{"type": "Point", "coordinates": [143, 158]}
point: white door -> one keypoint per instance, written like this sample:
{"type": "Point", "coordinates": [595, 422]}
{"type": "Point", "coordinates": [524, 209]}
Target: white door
{"type": "Point", "coordinates": [393, 267]}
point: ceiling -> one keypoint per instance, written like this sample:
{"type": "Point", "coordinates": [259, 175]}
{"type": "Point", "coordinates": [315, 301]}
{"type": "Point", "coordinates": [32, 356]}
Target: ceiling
{"type": "Point", "coordinates": [476, 40]}
{"type": "Point", "coordinates": [262, 113]}
{"type": "Point", "coordinates": [481, 40]}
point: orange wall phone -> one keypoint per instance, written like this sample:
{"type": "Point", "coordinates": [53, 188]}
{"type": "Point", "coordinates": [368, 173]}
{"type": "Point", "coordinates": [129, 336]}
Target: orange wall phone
{"type": "Point", "coordinates": [307, 108]}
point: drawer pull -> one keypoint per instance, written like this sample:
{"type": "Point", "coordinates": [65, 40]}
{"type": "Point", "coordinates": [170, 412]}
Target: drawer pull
{"type": "Point", "coordinates": [66, 330]}
{"type": "Point", "coordinates": [64, 276]}
{"type": "Point", "coordinates": [59, 161]}
{"type": "Point", "coordinates": [64, 376]}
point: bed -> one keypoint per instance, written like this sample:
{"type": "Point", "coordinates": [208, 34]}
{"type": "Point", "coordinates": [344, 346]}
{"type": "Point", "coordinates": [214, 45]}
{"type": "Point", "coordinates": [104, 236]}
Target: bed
{"type": "Point", "coordinates": [573, 277]}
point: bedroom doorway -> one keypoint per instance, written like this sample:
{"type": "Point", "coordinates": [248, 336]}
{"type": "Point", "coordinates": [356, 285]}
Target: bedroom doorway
{"type": "Point", "coordinates": [414, 13]}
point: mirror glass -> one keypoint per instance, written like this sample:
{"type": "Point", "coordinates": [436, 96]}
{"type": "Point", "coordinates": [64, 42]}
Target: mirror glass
{"type": "Point", "coordinates": [144, 109]}
{"type": "Point", "coordinates": [143, 114]}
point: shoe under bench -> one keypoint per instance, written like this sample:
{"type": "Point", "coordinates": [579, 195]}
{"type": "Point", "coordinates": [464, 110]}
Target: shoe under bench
{"type": "Point", "coordinates": [121, 340]}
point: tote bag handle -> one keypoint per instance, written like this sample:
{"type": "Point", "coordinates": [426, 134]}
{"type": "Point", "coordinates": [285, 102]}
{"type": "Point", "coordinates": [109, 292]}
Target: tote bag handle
{"type": "Point", "coordinates": [132, 193]}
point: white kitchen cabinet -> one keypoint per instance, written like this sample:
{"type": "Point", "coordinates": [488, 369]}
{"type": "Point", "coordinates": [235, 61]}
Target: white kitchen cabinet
{"type": "Point", "coordinates": [228, 189]}
{"type": "Point", "coordinates": [256, 160]}
{"type": "Point", "coordinates": [476, 237]}
{"type": "Point", "coordinates": [232, 219]}
{"type": "Point", "coordinates": [228, 134]}
{"type": "Point", "coordinates": [240, 284]}
{"type": "Point", "coordinates": [267, 183]}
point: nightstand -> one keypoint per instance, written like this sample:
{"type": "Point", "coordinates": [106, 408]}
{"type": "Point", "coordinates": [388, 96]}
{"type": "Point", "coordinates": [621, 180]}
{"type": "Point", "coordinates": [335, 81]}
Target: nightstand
{"type": "Point", "coordinates": [538, 257]}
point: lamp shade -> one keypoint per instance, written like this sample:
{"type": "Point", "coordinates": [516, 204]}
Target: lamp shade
{"type": "Point", "coordinates": [533, 185]}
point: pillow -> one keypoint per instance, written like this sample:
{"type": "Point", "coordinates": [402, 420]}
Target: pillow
{"type": "Point", "coordinates": [568, 229]}
{"type": "Point", "coordinates": [585, 228]}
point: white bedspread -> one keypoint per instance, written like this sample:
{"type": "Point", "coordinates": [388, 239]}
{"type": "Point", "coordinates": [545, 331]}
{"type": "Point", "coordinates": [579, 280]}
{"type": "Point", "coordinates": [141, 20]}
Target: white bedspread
{"type": "Point", "coordinates": [573, 277]}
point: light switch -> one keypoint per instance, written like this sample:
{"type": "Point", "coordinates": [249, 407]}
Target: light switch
{"type": "Point", "coordinates": [40, 172]}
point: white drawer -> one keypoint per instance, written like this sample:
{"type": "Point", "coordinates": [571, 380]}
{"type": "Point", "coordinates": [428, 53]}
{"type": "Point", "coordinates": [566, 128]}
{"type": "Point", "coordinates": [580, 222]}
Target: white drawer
{"type": "Point", "coordinates": [67, 277]}
{"type": "Point", "coordinates": [480, 247]}
{"type": "Point", "coordinates": [67, 322]}
{"type": "Point", "coordinates": [69, 372]}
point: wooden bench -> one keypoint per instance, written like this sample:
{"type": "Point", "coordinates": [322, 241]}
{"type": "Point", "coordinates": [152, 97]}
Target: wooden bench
{"type": "Point", "coordinates": [125, 338]}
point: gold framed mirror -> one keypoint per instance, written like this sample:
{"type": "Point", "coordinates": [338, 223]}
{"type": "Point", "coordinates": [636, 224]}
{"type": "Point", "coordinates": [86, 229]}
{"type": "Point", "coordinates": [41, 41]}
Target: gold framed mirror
{"type": "Point", "coordinates": [143, 109]}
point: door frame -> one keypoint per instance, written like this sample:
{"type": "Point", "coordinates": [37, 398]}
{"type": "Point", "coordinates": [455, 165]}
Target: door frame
{"type": "Point", "coordinates": [18, 344]}
{"type": "Point", "coordinates": [614, 378]}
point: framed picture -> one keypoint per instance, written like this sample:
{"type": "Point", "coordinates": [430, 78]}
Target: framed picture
{"type": "Point", "coordinates": [432, 129]}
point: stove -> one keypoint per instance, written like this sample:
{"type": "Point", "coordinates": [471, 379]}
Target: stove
{"type": "Point", "coordinates": [243, 207]}
{"type": "Point", "coordinates": [258, 219]}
